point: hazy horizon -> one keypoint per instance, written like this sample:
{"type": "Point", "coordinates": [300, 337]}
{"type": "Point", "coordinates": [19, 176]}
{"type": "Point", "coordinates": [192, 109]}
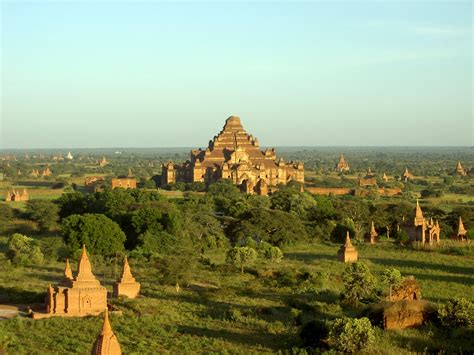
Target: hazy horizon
{"type": "Point", "coordinates": [299, 74]}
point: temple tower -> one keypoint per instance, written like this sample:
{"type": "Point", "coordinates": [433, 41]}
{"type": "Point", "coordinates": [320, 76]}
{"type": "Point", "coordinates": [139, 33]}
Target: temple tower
{"type": "Point", "coordinates": [106, 343]}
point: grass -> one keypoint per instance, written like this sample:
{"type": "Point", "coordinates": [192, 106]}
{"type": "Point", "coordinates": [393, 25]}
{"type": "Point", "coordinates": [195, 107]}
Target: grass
{"type": "Point", "coordinates": [255, 312]}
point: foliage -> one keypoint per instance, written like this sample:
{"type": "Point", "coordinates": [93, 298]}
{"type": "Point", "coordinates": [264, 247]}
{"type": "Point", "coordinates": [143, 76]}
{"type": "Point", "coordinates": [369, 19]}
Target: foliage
{"type": "Point", "coordinates": [275, 227]}
{"type": "Point", "coordinates": [273, 254]}
{"type": "Point", "coordinates": [457, 312]}
{"type": "Point", "coordinates": [241, 257]}
{"type": "Point", "coordinates": [6, 216]}
{"type": "Point", "coordinates": [43, 212]}
{"type": "Point", "coordinates": [402, 237]}
{"type": "Point", "coordinates": [23, 250]}
{"type": "Point", "coordinates": [350, 335]}
{"type": "Point", "coordinates": [314, 333]}
{"type": "Point", "coordinates": [359, 283]}
{"type": "Point", "coordinates": [99, 233]}
{"type": "Point", "coordinates": [392, 277]}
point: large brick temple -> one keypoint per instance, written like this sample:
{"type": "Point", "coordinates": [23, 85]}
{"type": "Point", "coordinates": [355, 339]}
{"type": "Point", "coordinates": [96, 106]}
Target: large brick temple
{"type": "Point", "coordinates": [236, 155]}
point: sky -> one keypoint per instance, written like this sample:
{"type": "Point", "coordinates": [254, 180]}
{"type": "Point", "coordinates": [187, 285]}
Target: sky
{"type": "Point", "coordinates": [102, 74]}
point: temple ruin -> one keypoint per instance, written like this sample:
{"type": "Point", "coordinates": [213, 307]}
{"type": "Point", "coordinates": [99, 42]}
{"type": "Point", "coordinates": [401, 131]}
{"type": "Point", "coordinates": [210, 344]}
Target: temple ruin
{"type": "Point", "coordinates": [15, 195]}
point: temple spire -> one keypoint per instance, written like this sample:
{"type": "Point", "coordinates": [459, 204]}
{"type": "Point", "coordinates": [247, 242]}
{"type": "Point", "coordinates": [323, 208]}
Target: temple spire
{"type": "Point", "coordinates": [461, 229]}
{"type": "Point", "coordinates": [106, 343]}
{"type": "Point", "coordinates": [67, 271]}
{"type": "Point", "coordinates": [84, 268]}
{"type": "Point", "coordinates": [348, 240]}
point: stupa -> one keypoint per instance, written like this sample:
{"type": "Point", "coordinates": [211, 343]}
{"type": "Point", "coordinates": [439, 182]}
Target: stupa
{"type": "Point", "coordinates": [126, 285]}
{"type": "Point", "coordinates": [347, 253]}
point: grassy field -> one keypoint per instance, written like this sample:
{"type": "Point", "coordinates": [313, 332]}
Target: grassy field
{"type": "Point", "coordinates": [220, 310]}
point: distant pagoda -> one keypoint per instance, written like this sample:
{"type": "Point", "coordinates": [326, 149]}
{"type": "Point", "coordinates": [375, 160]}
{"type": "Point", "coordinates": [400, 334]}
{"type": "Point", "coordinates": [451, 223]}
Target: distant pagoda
{"type": "Point", "coordinates": [342, 165]}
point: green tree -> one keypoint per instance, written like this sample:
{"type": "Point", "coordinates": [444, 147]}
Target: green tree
{"type": "Point", "coordinates": [241, 257]}
{"type": "Point", "coordinates": [350, 335]}
{"type": "Point", "coordinates": [23, 250]}
{"type": "Point", "coordinates": [359, 283]}
{"type": "Point", "coordinates": [43, 212]}
{"type": "Point", "coordinates": [99, 233]}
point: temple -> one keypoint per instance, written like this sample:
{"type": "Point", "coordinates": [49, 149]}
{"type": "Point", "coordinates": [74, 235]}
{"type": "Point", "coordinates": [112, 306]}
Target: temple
{"type": "Point", "coordinates": [103, 162]}
{"type": "Point", "coordinates": [126, 182]}
{"type": "Point", "coordinates": [347, 253]}
{"type": "Point", "coordinates": [76, 296]}
{"type": "Point", "coordinates": [106, 343]}
{"type": "Point", "coordinates": [235, 155]}
{"type": "Point", "coordinates": [368, 180]}
{"type": "Point", "coordinates": [420, 229]}
{"type": "Point", "coordinates": [126, 285]}
{"type": "Point", "coordinates": [342, 164]}
{"type": "Point", "coordinates": [460, 169]}
{"type": "Point", "coordinates": [15, 195]}
{"type": "Point", "coordinates": [406, 176]}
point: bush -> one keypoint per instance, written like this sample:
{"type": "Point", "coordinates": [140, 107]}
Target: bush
{"type": "Point", "coordinates": [241, 256]}
{"type": "Point", "coordinates": [314, 333]}
{"type": "Point", "coordinates": [457, 312]}
{"type": "Point", "coordinates": [402, 237]}
{"type": "Point", "coordinates": [23, 250]}
{"type": "Point", "coordinates": [351, 335]}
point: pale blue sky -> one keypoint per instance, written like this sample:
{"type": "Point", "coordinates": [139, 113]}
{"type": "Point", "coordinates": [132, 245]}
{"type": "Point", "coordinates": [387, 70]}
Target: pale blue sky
{"type": "Point", "coordinates": [163, 74]}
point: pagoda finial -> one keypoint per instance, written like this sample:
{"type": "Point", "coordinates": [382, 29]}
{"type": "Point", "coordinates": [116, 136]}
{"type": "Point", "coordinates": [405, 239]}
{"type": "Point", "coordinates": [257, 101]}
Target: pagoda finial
{"type": "Point", "coordinates": [106, 327]}
{"type": "Point", "coordinates": [348, 239]}
{"type": "Point", "coordinates": [84, 268]}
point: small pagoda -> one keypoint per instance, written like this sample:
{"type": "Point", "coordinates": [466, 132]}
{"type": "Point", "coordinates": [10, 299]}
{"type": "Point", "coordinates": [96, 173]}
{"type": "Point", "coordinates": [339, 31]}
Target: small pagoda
{"type": "Point", "coordinates": [106, 343]}
{"type": "Point", "coordinates": [347, 253]}
{"type": "Point", "coordinates": [461, 233]}
{"type": "Point", "coordinates": [372, 235]}
{"type": "Point", "coordinates": [126, 285]}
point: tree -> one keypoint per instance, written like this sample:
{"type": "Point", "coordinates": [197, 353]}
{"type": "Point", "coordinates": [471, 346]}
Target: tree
{"type": "Point", "coordinates": [402, 237]}
{"type": "Point", "coordinates": [99, 233]}
{"type": "Point", "coordinates": [314, 333]}
{"type": "Point", "coordinates": [292, 201]}
{"type": "Point", "coordinates": [393, 278]}
{"type": "Point", "coordinates": [275, 227]}
{"type": "Point", "coordinates": [43, 212]}
{"type": "Point", "coordinates": [241, 257]}
{"type": "Point", "coordinates": [23, 250]}
{"type": "Point", "coordinates": [350, 335]}
{"type": "Point", "coordinates": [359, 283]}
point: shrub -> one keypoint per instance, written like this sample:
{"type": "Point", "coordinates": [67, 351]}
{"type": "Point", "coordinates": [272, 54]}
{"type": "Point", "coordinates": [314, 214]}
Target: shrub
{"type": "Point", "coordinates": [241, 256]}
{"type": "Point", "coordinates": [314, 333]}
{"type": "Point", "coordinates": [350, 335]}
{"type": "Point", "coordinates": [43, 212]}
{"type": "Point", "coordinates": [457, 312]}
{"type": "Point", "coordinates": [23, 250]}
{"type": "Point", "coordinates": [401, 237]}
